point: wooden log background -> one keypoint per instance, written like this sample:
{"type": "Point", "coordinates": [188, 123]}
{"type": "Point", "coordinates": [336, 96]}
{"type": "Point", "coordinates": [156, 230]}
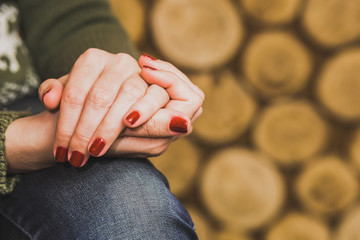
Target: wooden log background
{"type": "Point", "coordinates": [276, 153]}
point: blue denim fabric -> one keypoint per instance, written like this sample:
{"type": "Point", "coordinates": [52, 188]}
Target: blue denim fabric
{"type": "Point", "coordinates": [106, 199]}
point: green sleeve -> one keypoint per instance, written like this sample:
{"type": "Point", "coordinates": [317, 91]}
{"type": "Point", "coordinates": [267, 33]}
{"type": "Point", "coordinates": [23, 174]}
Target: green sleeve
{"type": "Point", "coordinates": [7, 182]}
{"type": "Point", "coordinates": [57, 32]}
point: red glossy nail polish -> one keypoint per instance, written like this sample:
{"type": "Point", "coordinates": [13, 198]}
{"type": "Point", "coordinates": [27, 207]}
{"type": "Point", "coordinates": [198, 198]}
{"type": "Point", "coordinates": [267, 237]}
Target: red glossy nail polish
{"type": "Point", "coordinates": [61, 154]}
{"type": "Point", "coordinates": [178, 125]}
{"type": "Point", "coordinates": [76, 159]}
{"type": "Point", "coordinates": [97, 146]}
{"type": "Point", "coordinates": [147, 67]}
{"type": "Point", "coordinates": [133, 117]}
{"type": "Point", "coordinates": [148, 56]}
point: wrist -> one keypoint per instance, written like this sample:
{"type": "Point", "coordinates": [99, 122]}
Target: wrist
{"type": "Point", "coordinates": [29, 142]}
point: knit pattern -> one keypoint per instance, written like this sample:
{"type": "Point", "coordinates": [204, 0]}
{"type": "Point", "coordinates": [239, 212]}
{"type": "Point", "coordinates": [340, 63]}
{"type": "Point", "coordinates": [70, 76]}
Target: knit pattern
{"type": "Point", "coordinates": [7, 182]}
{"type": "Point", "coordinates": [18, 77]}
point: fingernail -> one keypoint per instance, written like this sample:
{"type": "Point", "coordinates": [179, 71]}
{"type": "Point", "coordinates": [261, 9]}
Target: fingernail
{"type": "Point", "coordinates": [147, 67]}
{"type": "Point", "coordinates": [76, 159]}
{"type": "Point", "coordinates": [133, 117]}
{"type": "Point", "coordinates": [97, 146]}
{"type": "Point", "coordinates": [61, 154]}
{"type": "Point", "coordinates": [42, 98]}
{"type": "Point", "coordinates": [178, 125]}
{"type": "Point", "coordinates": [148, 56]}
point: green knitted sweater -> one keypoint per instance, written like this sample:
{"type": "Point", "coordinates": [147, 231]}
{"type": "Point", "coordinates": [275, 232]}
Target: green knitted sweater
{"type": "Point", "coordinates": [42, 39]}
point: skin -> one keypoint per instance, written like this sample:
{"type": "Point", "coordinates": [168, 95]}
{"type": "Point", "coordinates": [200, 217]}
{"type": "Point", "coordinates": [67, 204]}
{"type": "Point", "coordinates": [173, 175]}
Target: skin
{"type": "Point", "coordinates": [115, 85]}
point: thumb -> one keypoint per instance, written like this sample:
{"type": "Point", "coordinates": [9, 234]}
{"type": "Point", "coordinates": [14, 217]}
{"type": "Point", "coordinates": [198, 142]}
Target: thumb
{"type": "Point", "coordinates": [50, 92]}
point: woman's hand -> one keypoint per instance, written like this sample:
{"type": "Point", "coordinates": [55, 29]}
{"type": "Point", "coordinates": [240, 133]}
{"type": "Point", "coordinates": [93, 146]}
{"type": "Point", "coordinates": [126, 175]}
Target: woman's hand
{"type": "Point", "coordinates": [108, 119]}
{"type": "Point", "coordinates": [185, 98]}
{"type": "Point", "coordinates": [150, 134]}
{"type": "Point", "coordinates": [99, 90]}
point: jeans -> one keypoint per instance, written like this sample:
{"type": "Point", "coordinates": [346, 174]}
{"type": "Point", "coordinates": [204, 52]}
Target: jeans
{"type": "Point", "coordinates": [106, 199]}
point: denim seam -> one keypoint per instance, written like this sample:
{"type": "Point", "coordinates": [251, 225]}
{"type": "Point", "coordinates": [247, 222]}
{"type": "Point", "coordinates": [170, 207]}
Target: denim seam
{"type": "Point", "coordinates": [17, 226]}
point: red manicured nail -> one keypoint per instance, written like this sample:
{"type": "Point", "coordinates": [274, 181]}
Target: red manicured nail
{"type": "Point", "coordinates": [148, 56]}
{"type": "Point", "coordinates": [97, 146]}
{"type": "Point", "coordinates": [61, 154]}
{"type": "Point", "coordinates": [147, 67]}
{"type": "Point", "coordinates": [133, 117]}
{"type": "Point", "coordinates": [76, 159]}
{"type": "Point", "coordinates": [178, 124]}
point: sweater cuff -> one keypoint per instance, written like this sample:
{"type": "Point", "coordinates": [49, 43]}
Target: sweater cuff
{"type": "Point", "coordinates": [7, 182]}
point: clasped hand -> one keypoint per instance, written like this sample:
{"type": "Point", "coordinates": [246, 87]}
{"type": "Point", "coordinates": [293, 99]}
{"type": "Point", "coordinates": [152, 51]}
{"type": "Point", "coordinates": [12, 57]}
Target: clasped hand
{"type": "Point", "coordinates": [112, 104]}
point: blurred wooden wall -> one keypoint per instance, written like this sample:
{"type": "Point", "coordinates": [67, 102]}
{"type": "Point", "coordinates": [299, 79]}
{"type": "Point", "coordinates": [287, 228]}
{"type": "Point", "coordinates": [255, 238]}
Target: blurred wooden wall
{"type": "Point", "coordinates": [276, 153]}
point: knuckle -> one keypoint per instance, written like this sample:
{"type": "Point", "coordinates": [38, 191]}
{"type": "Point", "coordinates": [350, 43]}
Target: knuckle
{"type": "Point", "coordinates": [89, 57]}
{"type": "Point", "coordinates": [160, 93]}
{"type": "Point", "coordinates": [124, 61]}
{"type": "Point", "coordinates": [150, 128]}
{"type": "Point", "coordinates": [73, 97]}
{"type": "Point", "coordinates": [165, 95]}
{"type": "Point", "coordinates": [132, 90]}
{"type": "Point", "coordinates": [91, 53]}
{"type": "Point", "coordinates": [196, 100]}
{"type": "Point", "coordinates": [100, 97]}
{"type": "Point", "coordinates": [80, 136]}
{"type": "Point", "coordinates": [123, 57]}
{"type": "Point", "coordinates": [63, 135]}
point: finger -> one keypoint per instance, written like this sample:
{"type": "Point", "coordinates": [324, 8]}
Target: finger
{"type": "Point", "coordinates": [112, 125]}
{"type": "Point", "coordinates": [135, 147]}
{"type": "Point", "coordinates": [149, 61]}
{"type": "Point", "coordinates": [155, 98]}
{"type": "Point", "coordinates": [197, 114]}
{"type": "Point", "coordinates": [50, 92]}
{"type": "Point", "coordinates": [165, 123]}
{"type": "Point", "coordinates": [147, 130]}
{"type": "Point", "coordinates": [183, 98]}
{"type": "Point", "coordinates": [99, 100]}
{"type": "Point", "coordinates": [84, 73]}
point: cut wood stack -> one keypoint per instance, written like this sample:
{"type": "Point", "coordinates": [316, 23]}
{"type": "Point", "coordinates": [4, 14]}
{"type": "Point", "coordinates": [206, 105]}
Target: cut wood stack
{"type": "Point", "coordinates": [290, 131]}
{"type": "Point", "coordinates": [197, 34]}
{"type": "Point", "coordinates": [349, 227]}
{"type": "Point", "coordinates": [355, 150]}
{"type": "Point", "coordinates": [339, 84]}
{"type": "Point", "coordinates": [327, 186]}
{"type": "Point", "coordinates": [242, 189]}
{"type": "Point", "coordinates": [276, 64]}
{"type": "Point", "coordinates": [296, 226]}
{"type": "Point", "coordinates": [202, 227]}
{"type": "Point", "coordinates": [180, 175]}
{"type": "Point", "coordinates": [228, 108]}
{"type": "Point", "coordinates": [332, 23]}
{"type": "Point", "coordinates": [231, 235]}
{"type": "Point", "coordinates": [276, 153]}
{"type": "Point", "coordinates": [272, 11]}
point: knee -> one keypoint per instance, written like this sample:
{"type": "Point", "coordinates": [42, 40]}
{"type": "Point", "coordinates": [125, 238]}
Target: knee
{"type": "Point", "coordinates": [129, 200]}
{"type": "Point", "coordinates": [140, 200]}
